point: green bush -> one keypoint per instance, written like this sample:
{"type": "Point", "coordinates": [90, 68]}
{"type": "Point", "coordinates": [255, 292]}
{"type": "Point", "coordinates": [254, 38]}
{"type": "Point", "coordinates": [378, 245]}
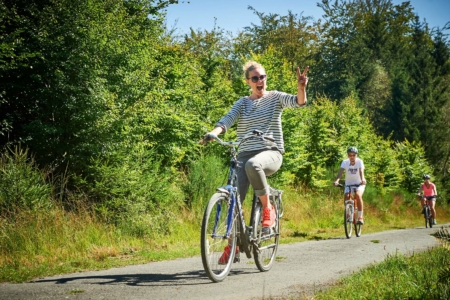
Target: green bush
{"type": "Point", "coordinates": [22, 183]}
{"type": "Point", "coordinates": [316, 139]}
{"type": "Point", "coordinates": [412, 163]}
{"type": "Point", "coordinates": [203, 177]}
{"type": "Point", "coordinates": [130, 186]}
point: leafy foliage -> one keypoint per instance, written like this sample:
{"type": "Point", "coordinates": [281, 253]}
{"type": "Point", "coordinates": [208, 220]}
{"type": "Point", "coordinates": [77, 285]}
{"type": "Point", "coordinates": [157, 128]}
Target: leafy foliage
{"type": "Point", "coordinates": [103, 90]}
{"type": "Point", "coordinates": [22, 184]}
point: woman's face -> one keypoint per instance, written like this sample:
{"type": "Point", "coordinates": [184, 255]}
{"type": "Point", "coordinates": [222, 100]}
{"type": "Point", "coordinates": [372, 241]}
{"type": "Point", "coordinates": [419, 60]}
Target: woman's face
{"type": "Point", "coordinates": [257, 81]}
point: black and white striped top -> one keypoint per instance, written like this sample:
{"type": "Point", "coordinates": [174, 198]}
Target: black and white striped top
{"type": "Point", "coordinates": [262, 114]}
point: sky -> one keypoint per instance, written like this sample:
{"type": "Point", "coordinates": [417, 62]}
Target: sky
{"type": "Point", "coordinates": [234, 15]}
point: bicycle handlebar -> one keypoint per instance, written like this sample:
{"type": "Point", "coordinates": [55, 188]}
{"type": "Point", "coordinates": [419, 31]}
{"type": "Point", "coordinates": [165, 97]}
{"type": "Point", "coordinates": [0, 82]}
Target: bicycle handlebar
{"type": "Point", "coordinates": [211, 136]}
{"type": "Point", "coordinates": [254, 134]}
{"type": "Point", "coordinates": [423, 196]}
{"type": "Point", "coordinates": [350, 185]}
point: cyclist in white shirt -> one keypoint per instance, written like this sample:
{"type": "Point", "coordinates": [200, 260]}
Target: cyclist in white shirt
{"type": "Point", "coordinates": [354, 175]}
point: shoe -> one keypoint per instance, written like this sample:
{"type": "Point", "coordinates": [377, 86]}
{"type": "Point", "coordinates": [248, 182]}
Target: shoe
{"type": "Point", "coordinates": [360, 221]}
{"type": "Point", "coordinates": [268, 217]}
{"type": "Point", "coordinates": [223, 260]}
{"type": "Point", "coordinates": [266, 231]}
{"type": "Point", "coordinates": [434, 222]}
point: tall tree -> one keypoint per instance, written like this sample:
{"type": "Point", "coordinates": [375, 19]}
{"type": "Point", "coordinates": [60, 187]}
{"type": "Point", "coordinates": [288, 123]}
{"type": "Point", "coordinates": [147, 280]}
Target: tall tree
{"type": "Point", "coordinates": [439, 149]}
{"type": "Point", "coordinates": [293, 35]}
{"type": "Point", "coordinates": [63, 62]}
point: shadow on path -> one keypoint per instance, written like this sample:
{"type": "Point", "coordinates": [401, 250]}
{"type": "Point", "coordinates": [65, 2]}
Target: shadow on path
{"type": "Point", "coordinates": [187, 278]}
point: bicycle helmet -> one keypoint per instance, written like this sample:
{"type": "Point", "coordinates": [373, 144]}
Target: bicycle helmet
{"type": "Point", "coordinates": [426, 176]}
{"type": "Point", "coordinates": [352, 150]}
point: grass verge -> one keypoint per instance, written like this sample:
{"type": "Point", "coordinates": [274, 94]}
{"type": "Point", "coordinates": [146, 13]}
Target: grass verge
{"type": "Point", "coordinates": [423, 275]}
{"type": "Point", "coordinates": [35, 244]}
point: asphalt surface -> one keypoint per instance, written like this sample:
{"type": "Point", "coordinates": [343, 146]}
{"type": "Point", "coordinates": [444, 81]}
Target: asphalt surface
{"type": "Point", "coordinates": [301, 269]}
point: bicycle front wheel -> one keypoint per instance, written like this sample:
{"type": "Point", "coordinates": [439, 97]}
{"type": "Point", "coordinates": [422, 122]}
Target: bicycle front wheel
{"type": "Point", "coordinates": [265, 240]}
{"type": "Point", "coordinates": [430, 218]}
{"type": "Point", "coordinates": [426, 215]}
{"type": "Point", "coordinates": [218, 250]}
{"type": "Point", "coordinates": [348, 220]}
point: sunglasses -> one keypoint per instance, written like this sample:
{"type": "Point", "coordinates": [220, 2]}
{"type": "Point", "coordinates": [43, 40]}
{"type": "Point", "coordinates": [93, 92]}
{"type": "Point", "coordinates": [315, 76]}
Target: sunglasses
{"type": "Point", "coordinates": [352, 155]}
{"type": "Point", "coordinates": [257, 78]}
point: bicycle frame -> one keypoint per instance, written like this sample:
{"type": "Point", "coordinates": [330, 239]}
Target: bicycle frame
{"type": "Point", "coordinates": [427, 213]}
{"type": "Point", "coordinates": [231, 190]}
{"type": "Point", "coordinates": [351, 193]}
{"type": "Point", "coordinates": [352, 205]}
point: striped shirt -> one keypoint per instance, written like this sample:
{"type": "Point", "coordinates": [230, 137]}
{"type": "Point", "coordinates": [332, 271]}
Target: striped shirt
{"type": "Point", "coordinates": [262, 114]}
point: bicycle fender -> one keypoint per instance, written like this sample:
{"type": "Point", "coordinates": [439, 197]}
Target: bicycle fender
{"type": "Point", "coordinates": [223, 190]}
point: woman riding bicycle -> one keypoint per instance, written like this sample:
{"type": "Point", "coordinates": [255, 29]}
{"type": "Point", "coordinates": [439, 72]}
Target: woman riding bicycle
{"type": "Point", "coordinates": [260, 111]}
{"type": "Point", "coordinates": [428, 192]}
{"type": "Point", "coordinates": [354, 175]}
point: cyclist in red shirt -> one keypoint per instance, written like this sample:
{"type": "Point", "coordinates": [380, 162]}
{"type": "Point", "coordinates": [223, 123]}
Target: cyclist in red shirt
{"type": "Point", "coordinates": [428, 191]}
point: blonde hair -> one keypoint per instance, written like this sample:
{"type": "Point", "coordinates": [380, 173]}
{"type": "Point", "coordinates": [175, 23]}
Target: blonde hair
{"type": "Point", "coordinates": [250, 66]}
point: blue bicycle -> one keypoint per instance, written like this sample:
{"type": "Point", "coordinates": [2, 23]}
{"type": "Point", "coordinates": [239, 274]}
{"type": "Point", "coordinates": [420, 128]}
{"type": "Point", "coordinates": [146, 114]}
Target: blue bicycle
{"type": "Point", "coordinates": [224, 225]}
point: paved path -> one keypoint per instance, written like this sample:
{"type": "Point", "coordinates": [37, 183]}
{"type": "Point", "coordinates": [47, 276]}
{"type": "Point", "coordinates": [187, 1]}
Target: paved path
{"type": "Point", "coordinates": [303, 267]}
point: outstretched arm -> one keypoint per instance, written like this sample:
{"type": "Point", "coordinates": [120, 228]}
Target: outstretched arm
{"type": "Point", "coordinates": [302, 83]}
{"type": "Point", "coordinates": [338, 177]}
{"type": "Point", "coordinates": [361, 173]}
{"type": "Point", "coordinates": [420, 191]}
{"type": "Point", "coordinates": [216, 131]}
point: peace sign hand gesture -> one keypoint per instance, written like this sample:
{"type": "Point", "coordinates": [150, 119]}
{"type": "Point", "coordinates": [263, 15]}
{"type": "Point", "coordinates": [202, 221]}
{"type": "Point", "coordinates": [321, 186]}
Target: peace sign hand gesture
{"type": "Point", "coordinates": [302, 79]}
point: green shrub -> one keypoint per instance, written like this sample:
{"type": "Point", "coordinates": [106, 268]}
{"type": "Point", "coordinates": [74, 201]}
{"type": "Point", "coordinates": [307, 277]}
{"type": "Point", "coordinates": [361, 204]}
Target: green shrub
{"type": "Point", "coordinates": [203, 177]}
{"type": "Point", "coordinates": [316, 139]}
{"type": "Point", "coordinates": [22, 184]}
{"type": "Point", "coordinates": [130, 186]}
{"type": "Point", "coordinates": [412, 163]}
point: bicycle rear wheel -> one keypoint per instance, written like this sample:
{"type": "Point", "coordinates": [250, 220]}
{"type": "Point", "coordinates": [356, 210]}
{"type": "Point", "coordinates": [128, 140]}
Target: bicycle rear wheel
{"type": "Point", "coordinates": [348, 220]}
{"type": "Point", "coordinates": [214, 240]}
{"type": "Point", "coordinates": [358, 229]}
{"type": "Point", "coordinates": [265, 240]}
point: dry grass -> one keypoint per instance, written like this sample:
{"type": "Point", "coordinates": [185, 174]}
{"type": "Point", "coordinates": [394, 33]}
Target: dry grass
{"type": "Point", "coordinates": [41, 243]}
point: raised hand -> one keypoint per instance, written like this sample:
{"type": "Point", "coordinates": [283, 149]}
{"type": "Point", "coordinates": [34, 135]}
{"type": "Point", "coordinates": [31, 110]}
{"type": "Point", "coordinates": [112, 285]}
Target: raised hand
{"type": "Point", "coordinates": [302, 78]}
